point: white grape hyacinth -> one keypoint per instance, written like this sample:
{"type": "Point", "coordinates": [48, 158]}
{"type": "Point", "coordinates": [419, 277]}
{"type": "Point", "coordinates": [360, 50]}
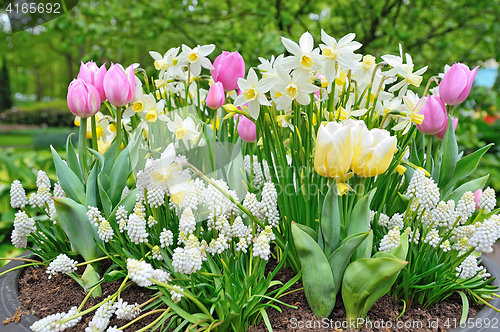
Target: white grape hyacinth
{"type": "Point", "coordinates": [49, 323]}
{"type": "Point", "coordinates": [62, 264]}
{"type": "Point", "coordinates": [390, 240]}
{"type": "Point", "coordinates": [18, 197]}
{"type": "Point", "coordinates": [23, 226]}
{"type": "Point", "coordinates": [140, 272]}
{"type": "Point", "coordinates": [488, 200]}
{"type": "Point", "coordinates": [176, 297]}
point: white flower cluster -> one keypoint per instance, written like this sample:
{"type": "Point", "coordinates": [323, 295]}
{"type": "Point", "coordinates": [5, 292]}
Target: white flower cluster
{"type": "Point", "coordinates": [18, 197]}
{"type": "Point", "coordinates": [42, 195]}
{"type": "Point", "coordinates": [58, 190]}
{"type": "Point", "coordinates": [95, 216]}
{"type": "Point", "coordinates": [176, 297]}
{"type": "Point", "coordinates": [488, 200]}
{"type": "Point", "coordinates": [166, 238]}
{"type": "Point", "coordinates": [432, 238]}
{"type": "Point", "coordinates": [259, 176]}
{"type": "Point", "coordinates": [121, 218]}
{"type": "Point", "coordinates": [187, 222]}
{"type": "Point", "coordinates": [466, 206]}
{"type": "Point", "coordinates": [101, 318]}
{"type": "Point", "coordinates": [194, 195]}
{"type": "Point", "coordinates": [49, 323]}
{"type": "Point", "coordinates": [140, 272]}
{"type": "Point", "coordinates": [261, 246]}
{"type": "Point", "coordinates": [424, 190]}
{"type": "Point", "coordinates": [23, 226]}
{"type": "Point", "coordinates": [126, 311]}
{"type": "Point", "coordinates": [136, 226]}
{"type": "Point", "coordinates": [486, 234]}
{"type": "Point", "coordinates": [62, 264]}
{"type": "Point", "coordinates": [105, 231]}
{"type": "Point", "coordinates": [390, 240]}
{"type": "Point", "coordinates": [469, 268]}
{"type": "Point", "coordinates": [216, 202]}
{"type": "Point", "coordinates": [267, 209]}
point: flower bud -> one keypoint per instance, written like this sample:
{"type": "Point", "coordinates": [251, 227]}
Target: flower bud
{"type": "Point", "coordinates": [247, 129]}
{"type": "Point", "coordinates": [90, 73]}
{"type": "Point", "coordinates": [83, 99]}
{"type": "Point", "coordinates": [456, 84]}
{"type": "Point", "coordinates": [119, 85]}
{"type": "Point", "coordinates": [477, 197]}
{"type": "Point", "coordinates": [334, 150]}
{"type": "Point", "coordinates": [216, 96]}
{"type": "Point", "coordinates": [228, 67]}
{"type": "Point", "coordinates": [435, 116]}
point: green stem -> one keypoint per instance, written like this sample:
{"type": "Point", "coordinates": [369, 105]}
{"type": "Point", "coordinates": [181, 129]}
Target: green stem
{"type": "Point", "coordinates": [94, 132]}
{"type": "Point", "coordinates": [145, 315]}
{"type": "Point", "coordinates": [20, 267]}
{"type": "Point", "coordinates": [428, 151]}
{"type": "Point", "coordinates": [82, 148]}
{"type": "Point", "coordinates": [118, 131]}
{"type": "Point", "coordinates": [87, 297]}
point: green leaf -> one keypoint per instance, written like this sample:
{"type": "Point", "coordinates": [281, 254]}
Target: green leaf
{"type": "Point", "coordinates": [402, 250]}
{"type": "Point", "coordinates": [466, 166]}
{"type": "Point", "coordinates": [102, 184]}
{"type": "Point", "coordinates": [309, 231]}
{"type": "Point", "coordinates": [472, 185]}
{"type": "Point", "coordinates": [330, 220]}
{"type": "Point", "coordinates": [317, 277]}
{"type": "Point", "coordinates": [465, 307]}
{"type": "Point", "coordinates": [118, 177]}
{"type": "Point", "coordinates": [366, 279]}
{"type": "Point", "coordinates": [340, 258]}
{"type": "Point", "coordinates": [72, 217]}
{"type": "Point", "coordinates": [69, 181]}
{"type": "Point", "coordinates": [100, 157]}
{"type": "Point", "coordinates": [360, 223]}
{"type": "Point", "coordinates": [109, 158]}
{"type": "Point", "coordinates": [72, 159]}
{"type": "Point", "coordinates": [447, 156]}
{"type": "Point", "coordinates": [91, 194]}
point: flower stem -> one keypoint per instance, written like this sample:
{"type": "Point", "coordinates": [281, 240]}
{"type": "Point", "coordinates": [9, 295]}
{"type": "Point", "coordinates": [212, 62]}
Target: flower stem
{"type": "Point", "coordinates": [20, 267]}
{"type": "Point", "coordinates": [82, 148]}
{"type": "Point", "coordinates": [428, 151]}
{"type": "Point", "coordinates": [165, 311]}
{"type": "Point", "coordinates": [94, 132]}
{"type": "Point", "coordinates": [118, 131]}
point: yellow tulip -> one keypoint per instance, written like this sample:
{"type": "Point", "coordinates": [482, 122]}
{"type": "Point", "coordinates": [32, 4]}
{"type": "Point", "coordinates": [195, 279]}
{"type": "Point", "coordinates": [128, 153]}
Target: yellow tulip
{"type": "Point", "coordinates": [373, 152]}
{"type": "Point", "coordinates": [334, 149]}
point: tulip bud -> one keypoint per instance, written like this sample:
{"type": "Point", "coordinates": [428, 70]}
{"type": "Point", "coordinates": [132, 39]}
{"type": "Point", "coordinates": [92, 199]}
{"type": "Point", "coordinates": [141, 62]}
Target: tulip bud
{"type": "Point", "coordinates": [435, 116]}
{"type": "Point", "coordinates": [119, 85]}
{"type": "Point", "coordinates": [247, 129]}
{"type": "Point", "coordinates": [477, 197]}
{"type": "Point", "coordinates": [440, 135]}
{"type": "Point", "coordinates": [90, 73]}
{"type": "Point", "coordinates": [456, 84]}
{"type": "Point", "coordinates": [228, 67]}
{"type": "Point", "coordinates": [216, 96]}
{"type": "Point", "coordinates": [334, 150]}
{"type": "Point", "coordinates": [83, 99]}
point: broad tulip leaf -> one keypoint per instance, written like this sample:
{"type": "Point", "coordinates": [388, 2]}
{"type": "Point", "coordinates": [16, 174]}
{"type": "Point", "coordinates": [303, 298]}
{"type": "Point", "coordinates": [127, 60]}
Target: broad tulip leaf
{"type": "Point", "coordinates": [309, 231]}
{"type": "Point", "coordinates": [72, 217]}
{"type": "Point", "coordinates": [71, 158]}
{"type": "Point", "coordinates": [134, 145]}
{"type": "Point", "coordinates": [330, 220]}
{"type": "Point", "coordinates": [118, 177]}
{"type": "Point", "coordinates": [317, 277]}
{"type": "Point", "coordinates": [340, 257]}
{"type": "Point", "coordinates": [109, 158]}
{"type": "Point", "coordinates": [402, 250]}
{"type": "Point", "coordinates": [100, 157]}
{"type": "Point", "coordinates": [466, 166]}
{"type": "Point", "coordinates": [365, 279]}
{"type": "Point", "coordinates": [128, 202]}
{"type": "Point", "coordinates": [360, 223]}
{"type": "Point", "coordinates": [91, 192]}
{"type": "Point", "coordinates": [472, 185]}
{"type": "Point", "coordinates": [69, 181]}
{"type": "Point", "coordinates": [102, 184]}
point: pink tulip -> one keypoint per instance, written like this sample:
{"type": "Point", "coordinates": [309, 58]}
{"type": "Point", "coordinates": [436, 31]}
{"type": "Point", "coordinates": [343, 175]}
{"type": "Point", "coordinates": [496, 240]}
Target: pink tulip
{"type": "Point", "coordinates": [216, 96]}
{"type": "Point", "coordinates": [90, 73]}
{"type": "Point", "coordinates": [477, 197]}
{"type": "Point", "coordinates": [228, 67]}
{"type": "Point", "coordinates": [435, 116]}
{"type": "Point", "coordinates": [247, 129]}
{"type": "Point", "coordinates": [440, 135]}
{"type": "Point", "coordinates": [456, 84]}
{"type": "Point", "coordinates": [119, 85]}
{"type": "Point", "coordinates": [83, 99]}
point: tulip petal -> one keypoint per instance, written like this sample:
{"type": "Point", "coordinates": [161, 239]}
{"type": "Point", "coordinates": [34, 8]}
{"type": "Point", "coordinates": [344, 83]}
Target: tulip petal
{"type": "Point", "coordinates": [452, 85]}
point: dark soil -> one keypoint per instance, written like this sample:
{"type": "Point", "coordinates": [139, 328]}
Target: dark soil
{"type": "Point", "coordinates": [43, 297]}
{"type": "Point", "coordinates": [383, 315]}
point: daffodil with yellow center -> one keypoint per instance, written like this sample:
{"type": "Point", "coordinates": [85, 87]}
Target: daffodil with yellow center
{"type": "Point", "coordinates": [254, 92]}
{"type": "Point", "coordinates": [197, 58]}
{"type": "Point", "coordinates": [410, 115]}
{"type": "Point", "coordinates": [368, 61]}
{"type": "Point", "coordinates": [138, 106]}
{"type": "Point", "coordinates": [183, 129]}
{"type": "Point", "coordinates": [152, 115]}
{"type": "Point", "coordinates": [338, 56]}
{"type": "Point", "coordinates": [405, 71]}
{"type": "Point", "coordinates": [303, 57]}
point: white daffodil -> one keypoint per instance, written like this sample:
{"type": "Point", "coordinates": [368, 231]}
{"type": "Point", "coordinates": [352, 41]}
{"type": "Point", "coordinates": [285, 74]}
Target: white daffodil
{"type": "Point", "coordinates": [364, 70]}
{"type": "Point", "coordinates": [340, 53]}
{"type": "Point", "coordinates": [184, 130]}
{"type": "Point", "coordinates": [169, 174]}
{"type": "Point", "coordinates": [253, 92]}
{"type": "Point", "coordinates": [169, 63]}
{"type": "Point", "coordinates": [147, 108]}
{"type": "Point", "coordinates": [197, 58]}
{"type": "Point", "coordinates": [192, 92]}
{"type": "Point", "coordinates": [387, 106]}
{"type": "Point", "coordinates": [412, 106]}
{"type": "Point", "coordinates": [405, 71]}
{"type": "Point", "coordinates": [348, 112]}
{"type": "Point", "coordinates": [304, 58]}
{"type": "Point", "coordinates": [268, 67]}
{"type": "Point", "coordinates": [293, 88]}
